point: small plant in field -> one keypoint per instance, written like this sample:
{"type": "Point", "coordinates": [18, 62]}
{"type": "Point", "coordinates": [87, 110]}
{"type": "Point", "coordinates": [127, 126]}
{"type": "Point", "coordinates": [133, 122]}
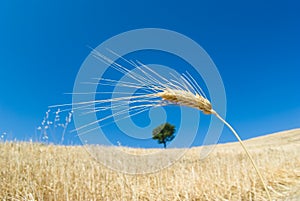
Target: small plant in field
{"type": "Point", "coordinates": [54, 126]}
{"type": "Point", "coordinates": [3, 137]}
{"type": "Point", "coordinates": [164, 133]}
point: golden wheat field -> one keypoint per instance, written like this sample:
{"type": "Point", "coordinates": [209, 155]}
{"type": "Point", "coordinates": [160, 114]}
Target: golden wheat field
{"type": "Point", "coordinates": [32, 171]}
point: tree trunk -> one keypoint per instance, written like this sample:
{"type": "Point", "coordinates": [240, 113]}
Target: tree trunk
{"type": "Point", "coordinates": [165, 145]}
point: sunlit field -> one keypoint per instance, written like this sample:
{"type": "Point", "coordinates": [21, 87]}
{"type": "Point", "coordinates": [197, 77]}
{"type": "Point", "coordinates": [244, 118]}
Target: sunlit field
{"type": "Point", "coordinates": [33, 171]}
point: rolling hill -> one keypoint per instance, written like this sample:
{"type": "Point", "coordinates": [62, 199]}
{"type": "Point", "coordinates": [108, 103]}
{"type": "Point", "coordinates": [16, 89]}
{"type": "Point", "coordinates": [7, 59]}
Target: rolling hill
{"type": "Point", "coordinates": [33, 171]}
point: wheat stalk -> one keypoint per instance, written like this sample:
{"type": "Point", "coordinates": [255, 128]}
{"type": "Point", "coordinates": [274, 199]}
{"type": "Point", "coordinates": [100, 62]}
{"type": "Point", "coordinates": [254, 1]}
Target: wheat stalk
{"type": "Point", "coordinates": [197, 101]}
{"type": "Point", "coordinates": [156, 90]}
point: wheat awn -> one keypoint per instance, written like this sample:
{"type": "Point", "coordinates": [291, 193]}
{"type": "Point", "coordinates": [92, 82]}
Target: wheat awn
{"type": "Point", "coordinates": [155, 91]}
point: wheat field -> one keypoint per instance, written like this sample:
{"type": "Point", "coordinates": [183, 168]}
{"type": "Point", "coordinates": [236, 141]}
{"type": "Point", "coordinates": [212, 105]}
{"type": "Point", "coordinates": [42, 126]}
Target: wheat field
{"type": "Point", "coordinates": [33, 171]}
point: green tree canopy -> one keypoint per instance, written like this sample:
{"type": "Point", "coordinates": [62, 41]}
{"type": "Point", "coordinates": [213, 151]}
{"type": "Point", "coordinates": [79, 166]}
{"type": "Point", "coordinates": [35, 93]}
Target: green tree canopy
{"type": "Point", "coordinates": [164, 133]}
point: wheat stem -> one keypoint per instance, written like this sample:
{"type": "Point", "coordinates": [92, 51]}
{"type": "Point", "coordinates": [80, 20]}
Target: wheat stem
{"type": "Point", "coordinates": [177, 89]}
{"type": "Point", "coordinates": [246, 150]}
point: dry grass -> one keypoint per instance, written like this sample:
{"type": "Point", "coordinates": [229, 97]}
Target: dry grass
{"type": "Point", "coordinates": [38, 172]}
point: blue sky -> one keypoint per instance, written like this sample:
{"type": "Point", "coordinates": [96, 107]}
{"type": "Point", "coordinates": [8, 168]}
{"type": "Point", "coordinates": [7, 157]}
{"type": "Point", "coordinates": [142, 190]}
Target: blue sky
{"type": "Point", "coordinates": [255, 46]}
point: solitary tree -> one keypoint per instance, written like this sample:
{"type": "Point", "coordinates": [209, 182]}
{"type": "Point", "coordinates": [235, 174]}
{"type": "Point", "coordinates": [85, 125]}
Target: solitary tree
{"type": "Point", "coordinates": [164, 133]}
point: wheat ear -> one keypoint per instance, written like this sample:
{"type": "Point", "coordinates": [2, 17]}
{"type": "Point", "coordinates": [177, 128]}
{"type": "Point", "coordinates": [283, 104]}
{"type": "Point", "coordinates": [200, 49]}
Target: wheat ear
{"type": "Point", "coordinates": [182, 90]}
{"type": "Point", "coordinates": [197, 101]}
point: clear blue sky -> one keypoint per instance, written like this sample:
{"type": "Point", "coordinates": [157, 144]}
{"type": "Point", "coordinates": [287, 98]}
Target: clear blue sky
{"type": "Point", "coordinates": [254, 44]}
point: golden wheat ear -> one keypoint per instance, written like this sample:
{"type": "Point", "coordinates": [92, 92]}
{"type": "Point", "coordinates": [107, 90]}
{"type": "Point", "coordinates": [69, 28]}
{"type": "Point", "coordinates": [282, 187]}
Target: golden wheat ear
{"type": "Point", "coordinates": [186, 98]}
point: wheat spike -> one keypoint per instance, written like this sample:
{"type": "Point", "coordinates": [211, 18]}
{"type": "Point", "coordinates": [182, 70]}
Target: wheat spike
{"type": "Point", "coordinates": [180, 90]}
{"type": "Point", "coordinates": [186, 98]}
